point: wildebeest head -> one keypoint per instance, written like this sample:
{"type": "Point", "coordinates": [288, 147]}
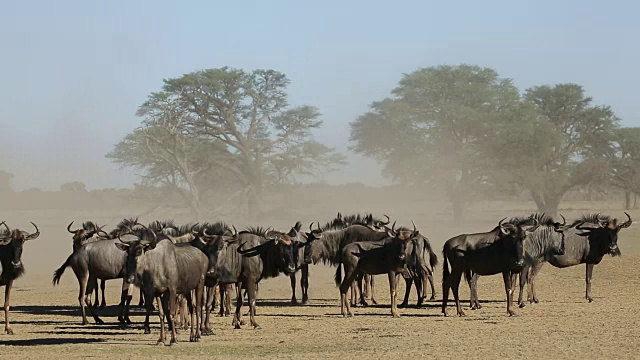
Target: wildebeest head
{"type": "Point", "coordinates": [86, 232]}
{"type": "Point", "coordinates": [142, 241]}
{"type": "Point", "coordinates": [281, 249]}
{"type": "Point", "coordinates": [212, 244]}
{"type": "Point", "coordinates": [514, 235]}
{"type": "Point", "coordinates": [402, 238]}
{"type": "Point", "coordinates": [14, 241]}
{"type": "Point", "coordinates": [312, 235]}
{"type": "Point", "coordinates": [557, 245]}
{"type": "Point", "coordinates": [606, 234]}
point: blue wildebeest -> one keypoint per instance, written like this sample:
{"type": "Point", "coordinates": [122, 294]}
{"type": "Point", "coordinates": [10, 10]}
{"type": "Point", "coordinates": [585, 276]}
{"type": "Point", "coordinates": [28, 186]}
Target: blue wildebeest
{"type": "Point", "coordinates": [99, 260]}
{"type": "Point", "coordinates": [546, 241]}
{"type": "Point", "coordinates": [89, 232]}
{"type": "Point", "coordinates": [593, 237]}
{"type": "Point", "coordinates": [163, 270]}
{"type": "Point", "coordinates": [500, 250]}
{"type": "Point", "coordinates": [387, 255]}
{"type": "Point", "coordinates": [252, 255]}
{"type": "Point", "coordinates": [11, 246]}
{"type": "Point", "coordinates": [418, 270]}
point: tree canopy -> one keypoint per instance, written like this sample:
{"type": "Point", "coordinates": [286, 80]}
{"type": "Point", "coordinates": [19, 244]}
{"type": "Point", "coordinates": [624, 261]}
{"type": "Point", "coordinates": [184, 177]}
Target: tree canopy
{"type": "Point", "coordinates": [225, 126]}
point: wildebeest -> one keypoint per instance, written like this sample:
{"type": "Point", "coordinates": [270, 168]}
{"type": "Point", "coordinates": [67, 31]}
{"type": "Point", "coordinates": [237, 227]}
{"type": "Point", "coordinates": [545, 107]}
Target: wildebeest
{"type": "Point", "coordinates": [418, 270]}
{"type": "Point", "coordinates": [255, 254]}
{"type": "Point", "coordinates": [89, 233]}
{"type": "Point", "coordinates": [99, 260]}
{"type": "Point", "coordinates": [388, 255]}
{"type": "Point", "coordinates": [584, 244]}
{"type": "Point", "coordinates": [163, 270]}
{"type": "Point", "coordinates": [11, 246]}
{"type": "Point", "coordinates": [546, 241]}
{"type": "Point", "coordinates": [500, 250]}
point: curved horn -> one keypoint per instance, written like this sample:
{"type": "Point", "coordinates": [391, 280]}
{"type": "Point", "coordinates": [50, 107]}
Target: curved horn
{"type": "Point", "coordinates": [415, 230]}
{"type": "Point", "coordinates": [626, 223]}
{"type": "Point", "coordinates": [393, 227]}
{"type": "Point", "coordinates": [500, 222]}
{"type": "Point", "coordinates": [601, 222]}
{"type": "Point", "coordinates": [193, 227]}
{"type": "Point", "coordinates": [235, 231]}
{"type": "Point", "coordinates": [69, 228]}
{"type": "Point", "coordinates": [534, 227]}
{"type": "Point", "coordinates": [388, 220]}
{"type": "Point", "coordinates": [311, 226]}
{"type": "Point", "coordinates": [564, 221]}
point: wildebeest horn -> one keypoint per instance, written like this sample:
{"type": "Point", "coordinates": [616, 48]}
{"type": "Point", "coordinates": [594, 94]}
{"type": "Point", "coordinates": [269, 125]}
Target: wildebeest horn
{"type": "Point", "coordinates": [311, 226]}
{"type": "Point", "coordinates": [193, 227]}
{"type": "Point", "coordinates": [601, 222]}
{"type": "Point", "coordinates": [392, 231]}
{"type": "Point", "coordinates": [235, 231]}
{"type": "Point", "coordinates": [393, 227]}
{"type": "Point", "coordinates": [535, 226]}
{"type": "Point", "coordinates": [33, 236]}
{"type": "Point", "coordinates": [414, 227]}
{"type": "Point", "coordinates": [204, 233]}
{"type": "Point", "coordinates": [626, 223]}
{"type": "Point", "coordinates": [388, 220]}
{"type": "Point", "coordinates": [69, 228]}
{"type": "Point", "coordinates": [6, 238]}
{"type": "Point", "coordinates": [564, 221]}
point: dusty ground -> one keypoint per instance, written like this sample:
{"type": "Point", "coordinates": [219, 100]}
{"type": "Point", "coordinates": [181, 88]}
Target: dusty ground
{"type": "Point", "coordinates": [47, 324]}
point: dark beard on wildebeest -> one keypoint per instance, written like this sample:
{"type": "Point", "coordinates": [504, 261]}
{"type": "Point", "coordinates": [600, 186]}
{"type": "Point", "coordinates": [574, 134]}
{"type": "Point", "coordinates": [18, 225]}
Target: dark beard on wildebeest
{"type": "Point", "coordinates": [615, 252]}
{"type": "Point", "coordinates": [10, 271]}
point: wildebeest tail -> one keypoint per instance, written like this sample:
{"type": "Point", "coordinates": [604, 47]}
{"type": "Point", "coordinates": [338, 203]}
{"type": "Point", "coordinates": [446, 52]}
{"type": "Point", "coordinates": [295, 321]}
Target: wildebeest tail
{"type": "Point", "coordinates": [338, 277]}
{"type": "Point", "coordinates": [445, 266]}
{"type": "Point", "coordinates": [58, 273]}
{"type": "Point", "coordinates": [433, 258]}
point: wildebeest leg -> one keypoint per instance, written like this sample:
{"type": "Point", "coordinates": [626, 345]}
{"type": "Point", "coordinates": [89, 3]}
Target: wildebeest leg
{"type": "Point", "coordinates": [524, 275]}
{"type": "Point", "coordinates": [82, 282]}
{"type": "Point", "coordinates": [532, 281]}
{"type": "Point", "coordinates": [222, 289]}
{"type": "Point", "coordinates": [472, 279]}
{"type": "Point", "coordinates": [169, 301]}
{"type": "Point", "coordinates": [237, 318]}
{"type": "Point", "coordinates": [372, 290]}
{"type": "Point", "coordinates": [227, 300]}
{"type": "Point", "coordinates": [509, 280]}
{"type": "Point", "coordinates": [206, 323]}
{"type": "Point", "coordinates": [90, 287]}
{"type": "Point", "coordinates": [292, 277]}
{"type": "Point", "coordinates": [433, 288]}
{"type": "Point", "coordinates": [393, 292]}
{"type": "Point", "coordinates": [7, 294]}
{"type": "Point", "coordinates": [345, 306]}
{"type": "Point", "coordinates": [588, 281]}
{"type": "Point", "coordinates": [419, 289]}
{"type": "Point", "coordinates": [104, 300]}
{"type": "Point", "coordinates": [304, 282]}
{"type": "Point", "coordinates": [161, 310]}
{"type": "Point", "coordinates": [363, 300]}
{"type": "Point", "coordinates": [148, 304]}
{"type": "Point", "coordinates": [125, 300]}
{"type": "Point", "coordinates": [96, 303]}
{"type": "Point", "coordinates": [141, 301]}
{"type": "Point", "coordinates": [446, 284]}
{"type": "Point", "coordinates": [407, 290]}
{"type": "Point", "coordinates": [455, 278]}
{"type": "Point", "coordinates": [252, 304]}
{"type": "Point", "coordinates": [199, 292]}
{"type": "Point", "coordinates": [366, 291]}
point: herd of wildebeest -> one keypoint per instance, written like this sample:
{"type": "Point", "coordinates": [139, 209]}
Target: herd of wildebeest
{"type": "Point", "coordinates": [187, 268]}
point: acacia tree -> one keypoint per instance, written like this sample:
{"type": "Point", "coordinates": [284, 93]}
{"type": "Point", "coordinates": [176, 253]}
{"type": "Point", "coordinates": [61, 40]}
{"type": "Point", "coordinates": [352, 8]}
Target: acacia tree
{"type": "Point", "coordinates": [626, 164]}
{"type": "Point", "coordinates": [226, 121]}
{"type": "Point", "coordinates": [439, 129]}
{"type": "Point", "coordinates": [568, 144]}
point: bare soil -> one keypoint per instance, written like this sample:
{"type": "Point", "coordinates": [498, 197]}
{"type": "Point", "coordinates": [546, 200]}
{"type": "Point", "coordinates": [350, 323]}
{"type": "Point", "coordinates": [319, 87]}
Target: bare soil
{"type": "Point", "coordinates": [46, 319]}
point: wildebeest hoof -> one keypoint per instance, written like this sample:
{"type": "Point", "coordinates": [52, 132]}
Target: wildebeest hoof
{"type": "Point", "coordinates": [242, 322]}
{"type": "Point", "coordinates": [374, 302]}
{"type": "Point", "coordinates": [147, 331]}
{"type": "Point", "coordinates": [237, 326]}
{"type": "Point", "coordinates": [364, 303]}
{"type": "Point", "coordinates": [512, 313]}
{"type": "Point", "coordinates": [9, 331]}
{"type": "Point", "coordinates": [159, 343]}
{"type": "Point", "coordinates": [432, 298]}
{"type": "Point", "coordinates": [173, 343]}
{"type": "Point", "coordinates": [522, 304]}
{"type": "Point", "coordinates": [294, 302]}
{"type": "Point", "coordinates": [590, 300]}
{"type": "Point", "coordinates": [395, 315]}
{"type": "Point", "coordinates": [403, 305]}
{"type": "Point", "coordinates": [99, 322]}
{"type": "Point", "coordinates": [207, 332]}
{"type": "Point", "coordinates": [257, 327]}
{"type": "Point", "coordinates": [461, 313]}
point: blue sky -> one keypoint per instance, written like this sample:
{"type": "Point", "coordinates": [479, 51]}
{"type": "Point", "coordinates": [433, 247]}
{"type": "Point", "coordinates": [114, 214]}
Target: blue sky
{"type": "Point", "coordinates": [73, 72]}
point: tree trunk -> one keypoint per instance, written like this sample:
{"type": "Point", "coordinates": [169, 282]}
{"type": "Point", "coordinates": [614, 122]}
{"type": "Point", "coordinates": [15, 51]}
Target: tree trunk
{"type": "Point", "coordinates": [627, 200]}
{"type": "Point", "coordinates": [458, 205]}
{"type": "Point", "coordinates": [547, 203]}
{"type": "Point", "coordinates": [635, 200]}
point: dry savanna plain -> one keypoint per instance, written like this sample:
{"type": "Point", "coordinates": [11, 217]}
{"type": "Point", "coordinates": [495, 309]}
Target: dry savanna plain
{"type": "Point", "coordinates": [46, 319]}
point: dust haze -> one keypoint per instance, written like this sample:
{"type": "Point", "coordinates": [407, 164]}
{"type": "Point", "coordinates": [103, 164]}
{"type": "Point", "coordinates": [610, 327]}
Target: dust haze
{"type": "Point", "coordinates": [417, 121]}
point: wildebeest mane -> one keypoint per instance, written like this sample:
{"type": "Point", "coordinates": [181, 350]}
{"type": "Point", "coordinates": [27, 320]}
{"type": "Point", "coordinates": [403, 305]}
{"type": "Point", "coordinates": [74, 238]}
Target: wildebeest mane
{"type": "Point", "coordinates": [542, 218]}
{"type": "Point", "coordinates": [591, 219]}
{"type": "Point", "coordinates": [256, 230]}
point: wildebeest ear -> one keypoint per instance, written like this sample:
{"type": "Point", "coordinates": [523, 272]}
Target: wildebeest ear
{"type": "Point", "coordinates": [298, 226]}
{"type": "Point", "coordinates": [122, 246]}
